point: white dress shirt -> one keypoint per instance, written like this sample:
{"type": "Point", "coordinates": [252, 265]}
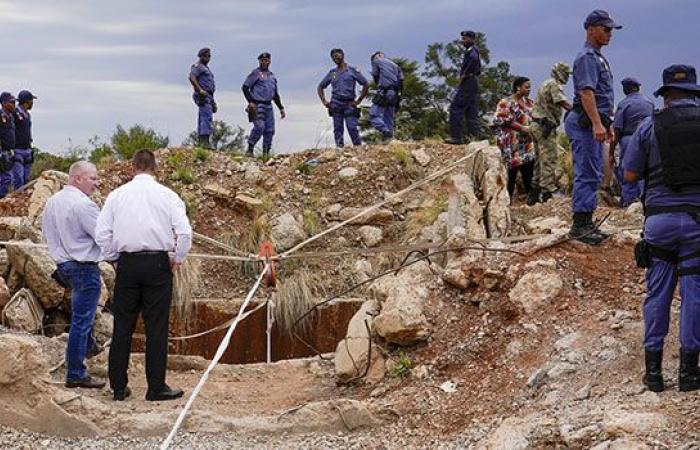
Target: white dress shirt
{"type": "Point", "coordinates": [68, 225]}
{"type": "Point", "coordinates": [143, 215]}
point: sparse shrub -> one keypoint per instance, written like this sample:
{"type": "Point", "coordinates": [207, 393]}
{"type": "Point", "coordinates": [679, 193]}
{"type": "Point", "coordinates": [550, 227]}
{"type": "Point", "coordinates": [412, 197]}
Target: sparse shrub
{"type": "Point", "coordinates": [184, 175]}
{"type": "Point", "coordinates": [310, 221]}
{"type": "Point", "coordinates": [127, 142]}
{"type": "Point", "coordinates": [401, 367]}
{"type": "Point", "coordinates": [303, 168]}
{"type": "Point", "coordinates": [401, 153]}
{"type": "Point", "coordinates": [176, 160]}
{"type": "Point", "coordinates": [201, 154]}
{"type": "Point", "coordinates": [423, 217]}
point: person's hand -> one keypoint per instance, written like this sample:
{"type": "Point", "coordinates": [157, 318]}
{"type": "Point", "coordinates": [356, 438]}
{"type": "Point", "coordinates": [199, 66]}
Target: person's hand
{"type": "Point", "coordinates": [326, 103]}
{"type": "Point", "coordinates": [203, 92]}
{"type": "Point", "coordinates": [600, 134]}
{"type": "Point", "coordinates": [174, 265]}
{"type": "Point", "coordinates": [251, 106]}
{"type": "Point", "coordinates": [283, 114]}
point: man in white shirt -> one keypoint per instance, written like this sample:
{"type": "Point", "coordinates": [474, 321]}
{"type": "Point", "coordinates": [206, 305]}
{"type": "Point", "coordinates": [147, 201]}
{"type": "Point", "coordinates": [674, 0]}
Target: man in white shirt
{"type": "Point", "coordinates": [69, 229]}
{"type": "Point", "coordinates": [140, 223]}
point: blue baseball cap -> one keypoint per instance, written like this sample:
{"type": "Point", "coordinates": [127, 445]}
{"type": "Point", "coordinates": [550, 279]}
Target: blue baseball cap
{"type": "Point", "coordinates": [24, 96]}
{"type": "Point", "coordinates": [6, 97]}
{"type": "Point", "coordinates": [203, 52]}
{"type": "Point", "coordinates": [264, 55]}
{"type": "Point", "coordinates": [630, 81]}
{"type": "Point", "coordinates": [602, 18]}
{"type": "Point", "coordinates": [679, 76]}
{"type": "Point", "coordinates": [468, 33]}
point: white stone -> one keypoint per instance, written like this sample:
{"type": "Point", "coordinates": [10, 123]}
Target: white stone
{"type": "Point", "coordinates": [535, 289]}
{"type": "Point", "coordinates": [542, 225]}
{"type": "Point", "coordinates": [287, 232]}
{"type": "Point", "coordinates": [421, 156]}
{"type": "Point", "coordinates": [352, 353]}
{"type": "Point", "coordinates": [371, 236]}
{"type": "Point", "coordinates": [348, 173]}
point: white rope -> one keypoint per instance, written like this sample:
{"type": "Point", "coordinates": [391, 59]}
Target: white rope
{"type": "Point", "coordinates": [219, 353]}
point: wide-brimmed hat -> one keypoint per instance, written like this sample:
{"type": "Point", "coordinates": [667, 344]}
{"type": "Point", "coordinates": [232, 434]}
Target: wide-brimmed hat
{"type": "Point", "coordinates": [679, 76]}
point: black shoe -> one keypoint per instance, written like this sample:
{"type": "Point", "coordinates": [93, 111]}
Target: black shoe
{"type": "Point", "coordinates": [454, 141]}
{"type": "Point", "coordinates": [584, 231]}
{"type": "Point", "coordinates": [546, 195]}
{"type": "Point", "coordinates": [166, 394]}
{"type": "Point", "coordinates": [266, 152]}
{"type": "Point", "coordinates": [204, 140]}
{"type": "Point", "coordinates": [688, 372]}
{"type": "Point", "coordinates": [533, 197]}
{"type": "Point", "coordinates": [387, 138]}
{"type": "Point", "coordinates": [653, 379]}
{"type": "Point", "coordinates": [251, 149]}
{"type": "Point", "coordinates": [87, 382]}
{"type": "Point", "coordinates": [121, 394]}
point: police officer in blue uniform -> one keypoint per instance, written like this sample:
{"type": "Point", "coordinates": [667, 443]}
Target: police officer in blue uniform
{"type": "Point", "coordinates": [388, 78]}
{"type": "Point", "coordinates": [631, 110]}
{"type": "Point", "coordinates": [24, 156]}
{"type": "Point", "coordinates": [260, 90]}
{"type": "Point", "coordinates": [7, 141]}
{"type": "Point", "coordinates": [465, 102]}
{"type": "Point", "coordinates": [202, 80]}
{"type": "Point", "coordinates": [664, 151]}
{"type": "Point", "coordinates": [343, 106]}
{"type": "Point", "coordinates": [588, 124]}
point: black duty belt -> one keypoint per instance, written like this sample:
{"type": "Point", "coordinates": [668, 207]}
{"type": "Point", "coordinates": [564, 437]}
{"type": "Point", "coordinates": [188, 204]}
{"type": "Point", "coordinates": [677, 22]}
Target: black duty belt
{"type": "Point", "coordinates": [145, 253]}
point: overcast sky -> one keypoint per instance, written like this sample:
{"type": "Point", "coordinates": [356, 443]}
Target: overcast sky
{"type": "Point", "coordinates": [95, 64]}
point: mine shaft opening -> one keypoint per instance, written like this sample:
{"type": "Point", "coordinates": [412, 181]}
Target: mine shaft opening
{"type": "Point", "coordinates": [324, 330]}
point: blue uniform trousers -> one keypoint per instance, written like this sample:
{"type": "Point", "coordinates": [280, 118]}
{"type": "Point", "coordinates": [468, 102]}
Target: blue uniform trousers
{"type": "Point", "coordinates": [84, 281]}
{"type": "Point", "coordinates": [205, 116]}
{"type": "Point", "coordinates": [22, 167]}
{"type": "Point", "coordinates": [343, 112]}
{"type": "Point", "coordinates": [588, 165]}
{"type": "Point", "coordinates": [629, 192]}
{"type": "Point", "coordinates": [382, 117]}
{"type": "Point", "coordinates": [464, 105]}
{"type": "Point", "coordinates": [263, 125]}
{"type": "Point", "coordinates": [5, 175]}
{"type": "Point", "coordinates": [678, 232]}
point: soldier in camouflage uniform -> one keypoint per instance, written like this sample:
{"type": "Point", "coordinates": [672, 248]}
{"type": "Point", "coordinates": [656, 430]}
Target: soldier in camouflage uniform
{"type": "Point", "coordinates": [546, 117]}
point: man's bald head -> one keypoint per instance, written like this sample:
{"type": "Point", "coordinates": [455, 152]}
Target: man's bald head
{"type": "Point", "coordinates": [83, 175]}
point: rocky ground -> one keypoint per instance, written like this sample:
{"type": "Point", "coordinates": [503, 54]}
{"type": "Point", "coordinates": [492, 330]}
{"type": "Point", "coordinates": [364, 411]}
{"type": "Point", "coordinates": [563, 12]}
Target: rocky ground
{"type": "Point", "coordinates": [478, 349]}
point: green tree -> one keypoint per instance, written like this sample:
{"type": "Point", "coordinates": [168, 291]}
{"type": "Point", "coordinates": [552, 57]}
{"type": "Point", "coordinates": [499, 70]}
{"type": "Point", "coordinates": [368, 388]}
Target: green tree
{"type": "Point", "coordinates": [224, 137]}
{"type": "Point", "coordinates": [442, 65]}
{"type": "Point", "coordinates": [420, 115]}
{"type": "Point", "coordinates": [127, 142]}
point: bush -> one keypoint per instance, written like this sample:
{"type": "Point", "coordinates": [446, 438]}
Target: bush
{"type": "Point", "coordinates": [224, 137]}
{"type": "Point", "coordinates": [184, 175]}
{"type": "Point", "coordinates": [48, 161]}
{"type": "Point", "coordinates": [201, 154]}
{"type": "Point", "coordinates": [402, 367]}
{"type": "Point", "coordinates": [127, 142]}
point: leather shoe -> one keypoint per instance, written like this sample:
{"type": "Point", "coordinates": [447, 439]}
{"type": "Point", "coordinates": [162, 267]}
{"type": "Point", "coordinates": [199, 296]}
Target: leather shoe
{"type": "Point", "coordinates": [87, 382]}
{"type": "Point", "coordinates": [166, 394]}
{"type": "Point", "coordinates": [121, 394]}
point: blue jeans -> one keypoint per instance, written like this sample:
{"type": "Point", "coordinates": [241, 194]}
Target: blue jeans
{"type": "Point", "coordinates": [84, 281]}
{"type": "Point", "coordinates": [588, 165]}
{"type": "Point", "coordinates": [680, 233]}
{"type": "Point", "coordinates": [263, 125]}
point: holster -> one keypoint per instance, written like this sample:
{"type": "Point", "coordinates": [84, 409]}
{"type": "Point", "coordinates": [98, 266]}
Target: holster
{"type": "Point", "coordinates": [642, 254]}
{"type": "Point", "coordinates": [585, 122]}
{"type": "Point", "coordinates": [200, 99]}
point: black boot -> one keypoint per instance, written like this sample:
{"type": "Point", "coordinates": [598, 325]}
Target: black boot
{"type": "Point", "coordinates": [204, 140]}
{"type": "Point", "coordinates": [533, 197]}
{"type": "Point", "coordinates": [250, 151]}
{"type": "Point", "coordinates": [688, 373]}
{"type": "Point", "coordinates": [546, 195]}
{"type": "Point", "coordinates": [583, 230]}
{"type": "Point", "coordinates": [653, 379]}
{"type": "Point", "coordinates": [266, 152]}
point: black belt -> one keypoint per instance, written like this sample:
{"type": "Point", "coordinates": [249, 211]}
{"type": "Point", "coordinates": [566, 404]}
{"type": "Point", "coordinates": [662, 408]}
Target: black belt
{"type": "Point", "coordinates": [82, 263]}
{"type": "Point", "coordinates": [144, 253]}
{"type": "Point", "coordinates": [262, 103]}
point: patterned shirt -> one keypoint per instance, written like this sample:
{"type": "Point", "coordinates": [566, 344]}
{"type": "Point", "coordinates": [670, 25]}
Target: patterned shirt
{"type": "Point", "coordinates": [550, 94]}
{"type": "Point", "coordinates": [516, 147]}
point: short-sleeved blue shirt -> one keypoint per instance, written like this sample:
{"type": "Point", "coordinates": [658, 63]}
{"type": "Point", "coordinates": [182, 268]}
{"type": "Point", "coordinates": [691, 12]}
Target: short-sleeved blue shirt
{"type": "Point", "coordinates": [631, 110]}
{"type": "Point", "coordinates": [592, 71]}
{"type": "Point", "coordinates": [643, 153]}
{"type": "Point", "coordinates": [262, 85]}
{"type": "Point", "coordinates": [471, 64]}
{"type": "Point", "coordinates": [204, 77]}
{"type": "Point", "coordinates": [387, 72]}
{"type": "Point", "coordinates": [343, 82]}
{"type": "Point", "coordinates": [7, 131]}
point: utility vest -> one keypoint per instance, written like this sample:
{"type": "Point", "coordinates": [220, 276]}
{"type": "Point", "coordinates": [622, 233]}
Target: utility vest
{"type": "Point", "coordinates": [678, 135]}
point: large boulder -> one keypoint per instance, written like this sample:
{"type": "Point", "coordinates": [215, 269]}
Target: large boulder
{"type": "Point", "coordinates": [35, 265]}
{"type": "Point", "coordinates": [401, 320]}
{"type": "Point", "coordinates": [287, 232]}
{"type": "Point", "coordinates": [490, 177]}
{"type": "Point", "coordinates": [9, 227]}
{"type": "Point", "coordinates": [463, 208]}
{"type": "Point", "coordinates": [22, 359]}
{"type": "Point", "coordinates": [48, 183]}
{"type": "Point", "coordinates": [352, 355]}
{"type": "Point", "coordinates": [23, 312]}
{"type": "Point", "coordinates": [536, 288]}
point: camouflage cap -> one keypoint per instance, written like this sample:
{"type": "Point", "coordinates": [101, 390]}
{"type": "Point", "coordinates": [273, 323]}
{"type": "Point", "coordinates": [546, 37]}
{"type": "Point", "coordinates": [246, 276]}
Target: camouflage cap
{"type": "Point", "coordinates": [561, 71]}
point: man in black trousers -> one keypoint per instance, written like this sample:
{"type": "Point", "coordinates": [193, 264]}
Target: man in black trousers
{"type": "Point", "coordinates": [140, 223]}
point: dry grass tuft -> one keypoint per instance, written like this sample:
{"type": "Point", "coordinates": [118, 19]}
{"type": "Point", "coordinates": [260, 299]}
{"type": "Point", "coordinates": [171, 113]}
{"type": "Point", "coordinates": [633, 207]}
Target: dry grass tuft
{"type": "Point", "coordinates": [185, 281]}
{"type": "Point", "coordinates": [294, 297]}
{"type": "Point", "coordinates": [249, 242]}
{"type": "Point", "coordinates": [423, 217]}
